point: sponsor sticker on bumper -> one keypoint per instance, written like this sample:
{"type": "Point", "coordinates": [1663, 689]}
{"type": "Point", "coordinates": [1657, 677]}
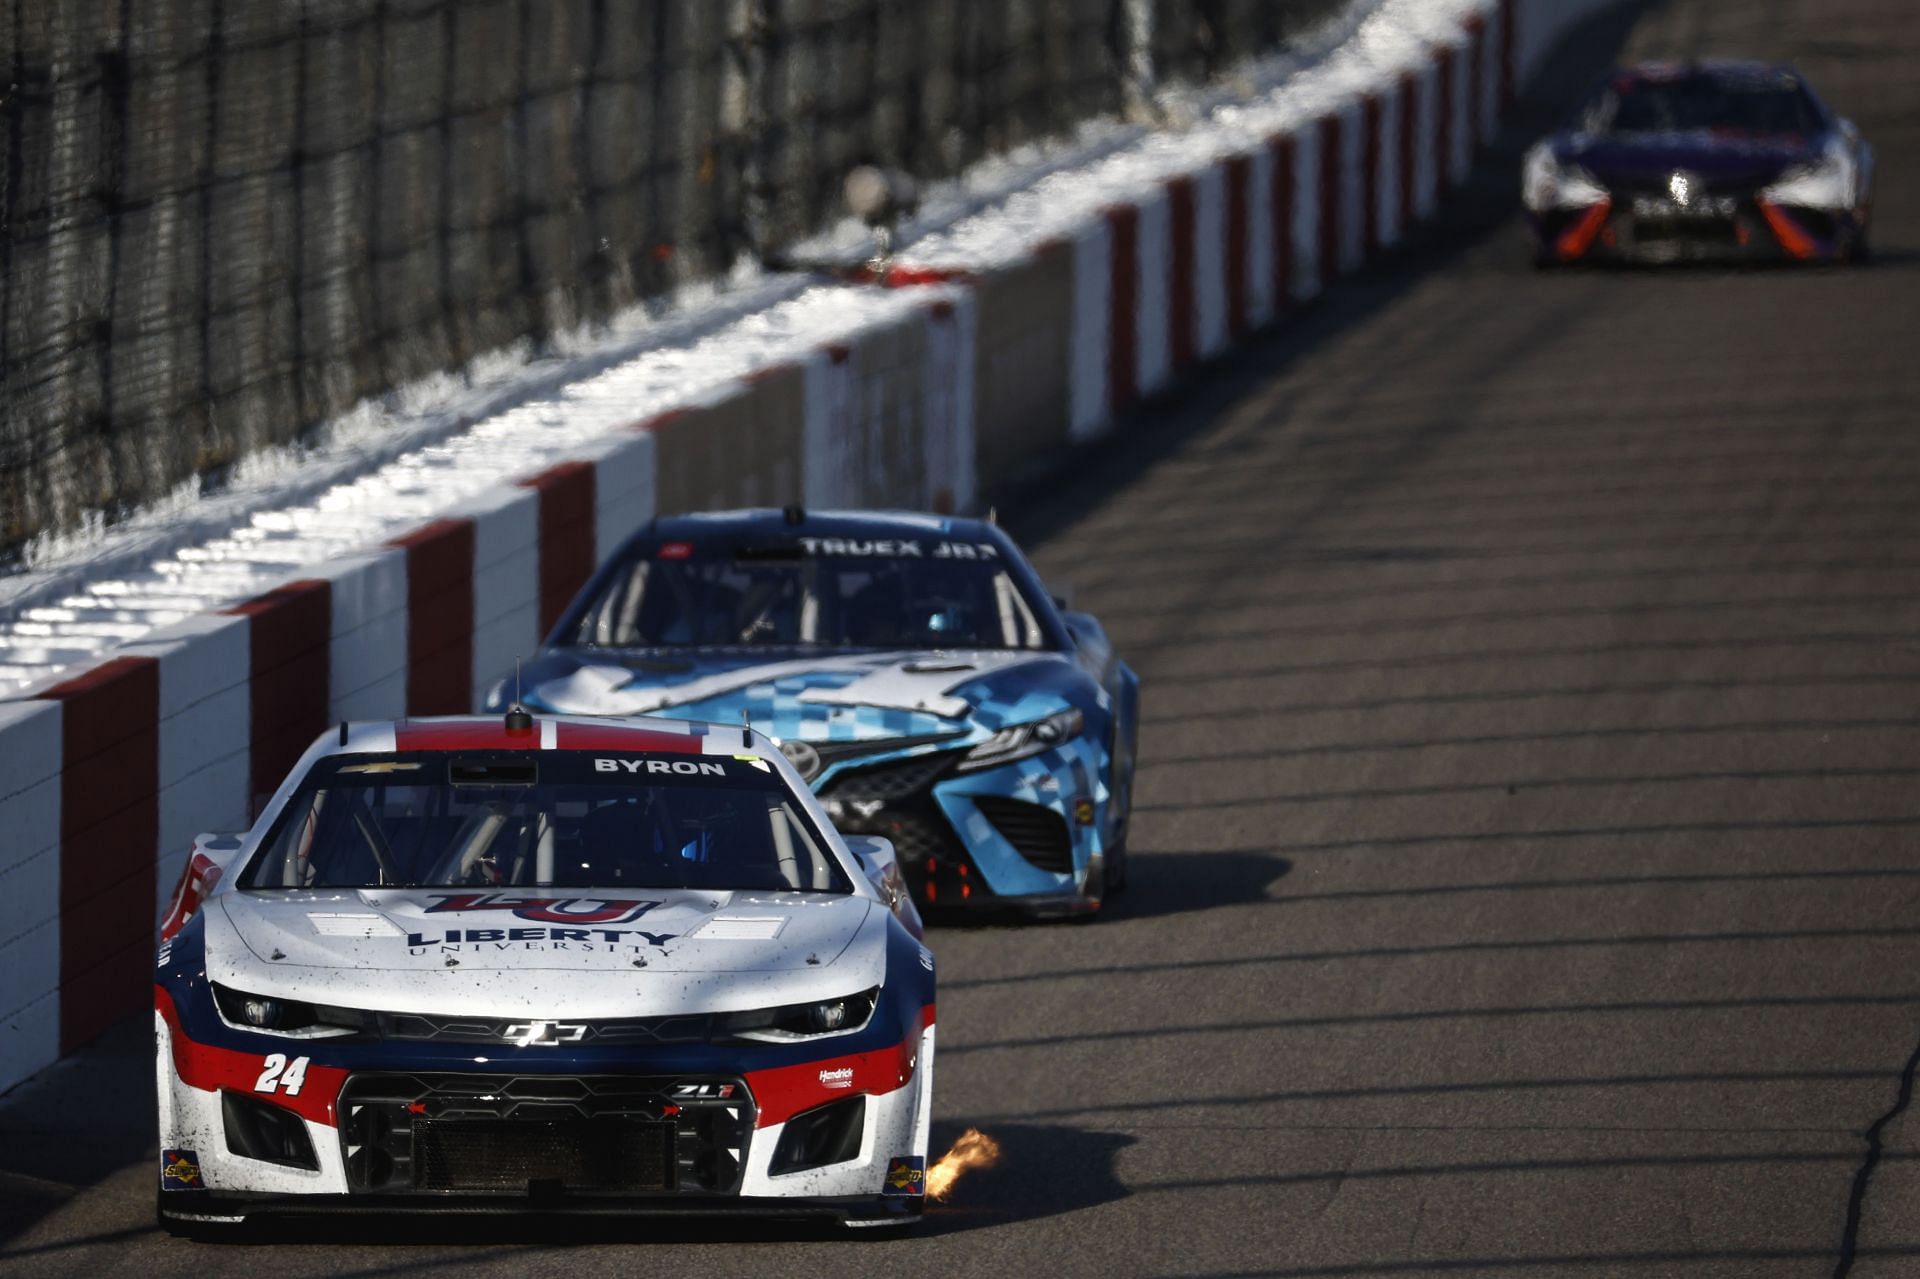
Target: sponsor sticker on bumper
{"type": "Point", "coordinates": [180, 1170]}
{"type": "Point", "coordinates": [907, 1175]}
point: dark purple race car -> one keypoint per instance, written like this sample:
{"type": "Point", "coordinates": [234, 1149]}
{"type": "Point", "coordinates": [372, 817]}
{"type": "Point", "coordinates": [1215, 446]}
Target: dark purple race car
{"type": "Point", "coordinates": [1700, 161]}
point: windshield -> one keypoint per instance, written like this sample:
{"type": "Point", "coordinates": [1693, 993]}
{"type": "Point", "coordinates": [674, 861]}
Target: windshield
{"type": "Point", "coordinates": [1773, 103]}
{"type": "Point", "coordinates": [544, 819]}
{"type": "Point", "coordinates": [831, 592]}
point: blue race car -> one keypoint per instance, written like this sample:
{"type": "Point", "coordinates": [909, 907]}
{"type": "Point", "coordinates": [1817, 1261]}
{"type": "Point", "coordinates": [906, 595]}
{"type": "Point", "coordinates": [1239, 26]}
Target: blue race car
{"type": "Point", "coordinates": [911, 667]}
{"type": "Point", "coordinates": [1701, 161]}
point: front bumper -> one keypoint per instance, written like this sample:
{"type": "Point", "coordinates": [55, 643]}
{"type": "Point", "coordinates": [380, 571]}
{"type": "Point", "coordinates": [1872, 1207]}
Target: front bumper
{"type": "Point", "coordinates": [1745, 229]}
{"type": "Point", "coordinates": [536, 1133]}
{"type": "Point", "coordinates": [1032, 835]}
{"type": "Point", "coordinates": [229, 1208]}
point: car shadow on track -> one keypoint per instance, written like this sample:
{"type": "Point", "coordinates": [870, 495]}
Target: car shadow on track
{"type": "Point", "coordinates": [1158, 884]}
{"type": "Point", "coordinates": [1161, 884]}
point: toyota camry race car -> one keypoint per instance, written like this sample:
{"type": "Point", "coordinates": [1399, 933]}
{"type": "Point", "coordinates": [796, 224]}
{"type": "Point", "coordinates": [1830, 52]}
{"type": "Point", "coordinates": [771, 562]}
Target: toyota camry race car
{"type": "Point", "coordinates": [911, 667]}
{"type": "Point", "coordinates": [542, 964]}
{"type": "Point", "coordinates": [1701, 161]}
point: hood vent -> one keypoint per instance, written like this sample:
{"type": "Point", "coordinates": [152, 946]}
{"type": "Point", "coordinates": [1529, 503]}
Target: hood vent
{"type": "Point", "coordinates": [740, 928]}
{"type": "Point", "coordinates": [352, 925]}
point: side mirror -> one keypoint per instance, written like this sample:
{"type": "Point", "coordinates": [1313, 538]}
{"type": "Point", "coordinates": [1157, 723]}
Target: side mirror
{"type": "Point", "coordinates": [207, 862]}
{"type": "Point", "coordinates": [882, 868]}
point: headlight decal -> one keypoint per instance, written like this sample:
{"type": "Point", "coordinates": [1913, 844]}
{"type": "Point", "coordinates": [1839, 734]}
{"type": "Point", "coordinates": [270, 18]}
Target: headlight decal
{"type": "Point", "coordinates": [1829, 183]}
{"type": "Point", "coordinates": [782, 1092]}
{"type": "Point", "coordinates": [1019, 741]}
{"type": "Point", "coordinates": [790, 1023]}
{"type": "Point", "coordinates": [1547, 183]}
{"type": "Point", "coordinates": [211, 1069]}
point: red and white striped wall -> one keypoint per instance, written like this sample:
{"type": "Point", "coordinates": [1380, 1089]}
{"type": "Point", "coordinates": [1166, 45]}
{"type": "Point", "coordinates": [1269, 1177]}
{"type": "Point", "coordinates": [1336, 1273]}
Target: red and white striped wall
{"type": "Point", "coordinates": [106, 775]}
{"type": "Point", "coordinates": [1173, 277]}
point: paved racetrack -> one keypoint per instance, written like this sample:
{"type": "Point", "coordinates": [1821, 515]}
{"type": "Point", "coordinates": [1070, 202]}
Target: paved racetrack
{"type": "Point", "coordinates": [1525, 869]}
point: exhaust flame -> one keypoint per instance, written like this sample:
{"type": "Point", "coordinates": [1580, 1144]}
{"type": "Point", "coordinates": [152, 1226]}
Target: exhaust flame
{"type": "Point", "coordinates": [974, 1150]}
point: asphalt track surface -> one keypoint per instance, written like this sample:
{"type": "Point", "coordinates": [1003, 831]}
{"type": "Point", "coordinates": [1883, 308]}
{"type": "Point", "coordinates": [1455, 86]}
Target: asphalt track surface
{"type": "Point", "coordinates": [1525, 874]}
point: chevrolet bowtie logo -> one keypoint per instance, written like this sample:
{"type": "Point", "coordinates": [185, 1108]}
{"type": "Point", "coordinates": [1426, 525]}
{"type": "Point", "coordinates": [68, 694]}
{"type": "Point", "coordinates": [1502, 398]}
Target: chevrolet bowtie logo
{"type": "Point", "coordinates": [543, 1034]}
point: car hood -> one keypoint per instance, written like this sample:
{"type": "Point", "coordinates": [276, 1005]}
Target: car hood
{"type": "Point", "coordinates": [847, 696]}
{"type": "Point", "coordinates": [1720, 159]}
{"type": "Point", "coordinates": [643, 953]}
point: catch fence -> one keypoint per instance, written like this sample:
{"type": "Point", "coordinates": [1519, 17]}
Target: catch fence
{"type": "Point", "coordinates": [223, 222]}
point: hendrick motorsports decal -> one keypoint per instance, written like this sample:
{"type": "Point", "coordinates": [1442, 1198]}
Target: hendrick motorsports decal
{"type": "Point", "coordinates": [180, 1170]}
{"type": "Point", "coordinates": [548, 910]}
{"type": "Point", "coordinates": [906, 1175]}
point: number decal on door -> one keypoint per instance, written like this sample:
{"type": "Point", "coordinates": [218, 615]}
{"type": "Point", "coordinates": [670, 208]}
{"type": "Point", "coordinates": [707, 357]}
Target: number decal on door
{"type": "Point", "coordinates": [282, 1075]}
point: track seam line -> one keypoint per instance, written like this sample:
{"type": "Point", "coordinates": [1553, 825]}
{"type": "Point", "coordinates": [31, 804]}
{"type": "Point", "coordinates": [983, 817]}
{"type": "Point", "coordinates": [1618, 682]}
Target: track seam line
{"type": "Point", "coordinates": [1857, 1198]}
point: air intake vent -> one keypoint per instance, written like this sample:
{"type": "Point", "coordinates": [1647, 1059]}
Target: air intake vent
{"type": "Point", "coordinates": [1039, 834]}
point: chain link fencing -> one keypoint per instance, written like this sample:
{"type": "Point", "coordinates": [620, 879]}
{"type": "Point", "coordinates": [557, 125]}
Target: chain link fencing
{"type": "Point", "coordinates": [223, 222]}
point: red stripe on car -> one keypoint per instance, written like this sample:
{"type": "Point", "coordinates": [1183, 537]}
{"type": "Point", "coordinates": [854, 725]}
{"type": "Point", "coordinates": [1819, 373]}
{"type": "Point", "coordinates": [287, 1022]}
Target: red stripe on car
{"type": "Point", "coordinates": [1578, 238]}
{"type": "Point", "coordinates": [210, 1069]}
{"type": "Point", "coordinates": [1793, 239]}
{"type": "Point", "coordinates": [463, 735]}
{"type": "Point", "coordinates": [785, 1091]}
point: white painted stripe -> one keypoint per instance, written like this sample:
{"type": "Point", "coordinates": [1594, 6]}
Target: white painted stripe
{"type": "Point", "coordinates": [623, 477]}
{"type": "Point", "coordinates": [1489, 104]}
{"type": "Point", "coordinates": [1461, 108]}
{"type": "Point", "coordinates": [1426, 141]}
{"type": "Point", "coordinates": [948, 387]}
{"type": "Point", "coordinates": [1353, 154]}
{"type": "Point", "coordinates": [30, 760]}
{"type": "Point", "coordinates": [1260, 242]}
{"type": "Point", "coordinates": [1152, 294]}
{"type": "Point", "coordinates": [1210, 261]}
{"type": "Point", "coordinates": [826, 458]}
{"type": "Point", "coordinates": [368, 655]}
{"type": "Point", "coordinates": [1087, 407]}
{"type": "Point", "coordinates": [1386, 183]}
{"type": "Point", "coordinates": [1306, 210]}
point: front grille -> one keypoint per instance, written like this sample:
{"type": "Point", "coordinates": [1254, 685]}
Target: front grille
{"type": "Point", "coordinates": [895, 780]}
{"type": "Point", "coordinates": [481, 1030]}
{"type": "Point", "coordinates": [516, 1154]}
{"type": "Point", "coordinates": [1719, 233]}
{"type": "Point", "coordinates": [519, 1134]}
{"type": "Point", "coordinates": [1038, 834]}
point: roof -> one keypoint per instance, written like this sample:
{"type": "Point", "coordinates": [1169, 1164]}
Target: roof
{"type": "Point", "coordinates": [774, 522]}
{"type": "Point", "coordinates": [548, 732]}
{"type": "Point", "coordinates": [1674, 69]}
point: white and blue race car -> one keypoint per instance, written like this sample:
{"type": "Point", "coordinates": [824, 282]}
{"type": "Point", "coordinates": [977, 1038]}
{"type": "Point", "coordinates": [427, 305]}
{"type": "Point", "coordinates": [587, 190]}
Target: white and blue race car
{"type": "Point", "coordinates": [543, 964]}
{"type": "Point", "coordinates": [912, 667]}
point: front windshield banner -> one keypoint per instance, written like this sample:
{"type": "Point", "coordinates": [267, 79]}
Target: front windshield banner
{"type": "Point", "coordinates": [506, 820]}
{"type": "Point", "coordinates": [829, 592]}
